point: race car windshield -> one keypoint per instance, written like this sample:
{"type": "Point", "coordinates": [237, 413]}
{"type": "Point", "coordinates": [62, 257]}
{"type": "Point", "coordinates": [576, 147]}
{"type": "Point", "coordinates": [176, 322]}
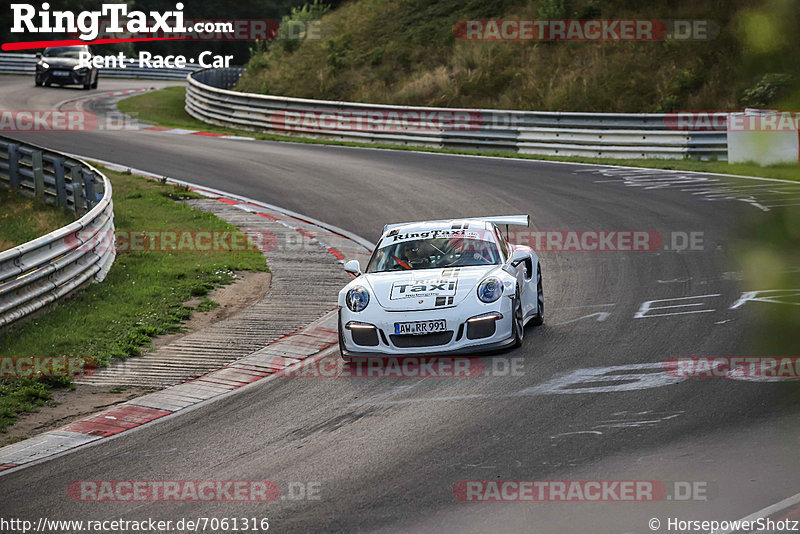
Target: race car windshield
{"type": "Point", "coordinates": [63, 51]}
{"type": "Point", "coordinates": [435, 253]}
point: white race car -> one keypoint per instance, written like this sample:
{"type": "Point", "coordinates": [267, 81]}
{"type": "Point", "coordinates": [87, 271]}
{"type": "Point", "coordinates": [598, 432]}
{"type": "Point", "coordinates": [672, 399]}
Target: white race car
{"type": "Point", "coordinates": [441, 287]}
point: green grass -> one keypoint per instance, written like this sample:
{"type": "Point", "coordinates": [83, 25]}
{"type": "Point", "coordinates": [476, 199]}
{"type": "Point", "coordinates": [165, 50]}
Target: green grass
{"type": "Point", "coordinates": [206, 304]}
{"type": "Point", "coordinates": [24, 218]}
{"type": "Point", "coordinates": [166, 108]}
{"type": "Point", "coordinates": [767, 247]}
{"type": "Point", "coordinates": [143, 295]}
{"type": "Point", "coordinates": [23, 396]}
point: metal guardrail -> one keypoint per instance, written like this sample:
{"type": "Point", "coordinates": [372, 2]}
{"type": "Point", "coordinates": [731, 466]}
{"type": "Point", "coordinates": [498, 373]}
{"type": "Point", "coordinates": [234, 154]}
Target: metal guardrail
{"type": "Point", "coordinates": [615, 135]}
{"type": "Point", "coordinates": [26, 64]}
{"type": "Point", "coordinates": [41, 271]}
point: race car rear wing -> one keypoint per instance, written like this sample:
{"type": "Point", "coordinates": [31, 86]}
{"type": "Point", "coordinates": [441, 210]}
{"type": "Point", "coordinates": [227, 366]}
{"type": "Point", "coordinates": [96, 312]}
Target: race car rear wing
{"type": "Point", "coordinates": [508, 220]}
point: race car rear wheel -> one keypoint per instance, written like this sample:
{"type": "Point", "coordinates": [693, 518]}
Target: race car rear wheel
{"type": "Point", "coordinates": [538, 319]}
{"type": "Point", "coordinates": [519, 321]}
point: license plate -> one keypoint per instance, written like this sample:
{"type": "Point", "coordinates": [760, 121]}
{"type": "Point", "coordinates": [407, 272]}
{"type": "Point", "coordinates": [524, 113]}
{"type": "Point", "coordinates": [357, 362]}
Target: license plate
{"type": "Point", "coordinates": [416, 328]}
{"type": "Point", "coordinates": [60, 73]}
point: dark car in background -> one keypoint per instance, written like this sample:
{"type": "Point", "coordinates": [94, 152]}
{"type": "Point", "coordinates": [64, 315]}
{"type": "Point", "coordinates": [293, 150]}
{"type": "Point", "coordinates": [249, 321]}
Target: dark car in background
{"type": "Point", "coordinates": [60, 65]}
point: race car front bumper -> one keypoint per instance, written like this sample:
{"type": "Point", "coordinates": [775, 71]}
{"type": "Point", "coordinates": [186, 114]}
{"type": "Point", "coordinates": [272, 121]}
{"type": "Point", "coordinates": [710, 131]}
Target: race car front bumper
{"type": "Point", "coordinates": [63, 76]}
{"type": "Point", "coordinates": [486, 328]}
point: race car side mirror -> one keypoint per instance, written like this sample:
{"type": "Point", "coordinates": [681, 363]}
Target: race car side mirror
{"type": "Point", "coordinates": [353, 267]}
{"type": "Point", "coordinates": [518, 256]}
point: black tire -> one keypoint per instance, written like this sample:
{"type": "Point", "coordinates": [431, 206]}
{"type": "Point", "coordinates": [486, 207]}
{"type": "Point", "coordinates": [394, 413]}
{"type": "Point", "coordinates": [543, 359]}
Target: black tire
{"type": "Point", "coordinates": [518, 325]}
{"type": "Point", "coordinates": [538, 319]}
{"type": "Point", "coordinates": [87, 86]}
{"type": "Point", "coordinates": [38, 83]}
{"type": "Point", "coordinates": [94, 84]}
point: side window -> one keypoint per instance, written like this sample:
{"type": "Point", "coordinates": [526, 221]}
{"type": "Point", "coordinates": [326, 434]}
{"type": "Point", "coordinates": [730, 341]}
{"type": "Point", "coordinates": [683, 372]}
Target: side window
{"type": "Point", "coordinates": [501, 242]}
{"type": "Point", "coordinates": [528, 269]}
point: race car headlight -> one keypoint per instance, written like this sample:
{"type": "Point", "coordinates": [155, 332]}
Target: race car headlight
{"type": "Point", "coordinates": [490, 289]}
{"type": "Point", "coordinates": [80, 68]}
{"type": "Point", "coordinates": [357, 299]}
{"type": "Point", "coordinates": [43, 65]}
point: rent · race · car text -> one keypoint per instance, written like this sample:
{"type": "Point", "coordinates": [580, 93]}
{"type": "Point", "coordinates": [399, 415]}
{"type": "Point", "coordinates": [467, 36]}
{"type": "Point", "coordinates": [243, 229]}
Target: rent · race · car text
{"type": "Point", "coordinates": [206, 60]}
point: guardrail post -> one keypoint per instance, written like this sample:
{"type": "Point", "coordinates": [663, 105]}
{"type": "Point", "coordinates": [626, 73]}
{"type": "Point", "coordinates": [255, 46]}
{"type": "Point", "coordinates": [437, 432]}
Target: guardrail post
{"type": "Point", "coordinates": [78, 190]}
{"type": "Point", "coordinates": [61, 186]}
{"type": "Point", "coordinates": [88, 182]}
{"type": "Point", "coordinates": [38, 173]}
{"type": "Point", "coordinates": [13, 166]}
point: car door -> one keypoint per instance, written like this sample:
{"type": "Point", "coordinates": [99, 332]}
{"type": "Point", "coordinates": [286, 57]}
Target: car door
{"type": "Point", "coordinates": [525, 276]}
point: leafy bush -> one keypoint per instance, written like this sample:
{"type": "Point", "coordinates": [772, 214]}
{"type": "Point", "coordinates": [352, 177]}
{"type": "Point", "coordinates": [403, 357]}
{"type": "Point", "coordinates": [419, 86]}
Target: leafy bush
{"type": "Point", "coordinates": [258, 57]}
{"type": "Point", "coordinates": [766, 90]}
{"type": "Point", "coordinates": [555, 9]}
{"type": "Point", "coordinates": [300, 17]}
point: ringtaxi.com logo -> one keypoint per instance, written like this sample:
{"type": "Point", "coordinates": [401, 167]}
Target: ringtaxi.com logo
{"type": "Point", "coordinates": [224, 30]}
{"type": "Point", "coordinates": [87, 23]}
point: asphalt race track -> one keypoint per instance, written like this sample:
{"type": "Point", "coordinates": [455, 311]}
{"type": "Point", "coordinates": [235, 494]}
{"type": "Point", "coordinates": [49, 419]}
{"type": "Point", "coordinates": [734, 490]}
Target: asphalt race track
{"type": "Point", "coordinates": [387, 453]}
